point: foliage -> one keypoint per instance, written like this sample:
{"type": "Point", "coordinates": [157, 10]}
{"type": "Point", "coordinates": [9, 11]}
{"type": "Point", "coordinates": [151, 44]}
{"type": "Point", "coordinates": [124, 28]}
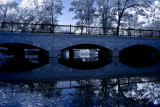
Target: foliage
{"type": "Point", "coordinates": [84, 11]}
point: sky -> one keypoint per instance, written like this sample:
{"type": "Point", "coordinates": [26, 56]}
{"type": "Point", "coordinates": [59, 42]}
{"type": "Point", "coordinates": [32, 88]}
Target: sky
{"type": "Point", "coordinates": [18, 1]}
{"type": "Point", "coordinates": [66, 18]}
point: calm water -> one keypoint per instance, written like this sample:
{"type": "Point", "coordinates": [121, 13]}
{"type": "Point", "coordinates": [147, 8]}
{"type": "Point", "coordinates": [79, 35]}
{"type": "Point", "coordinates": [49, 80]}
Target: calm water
{"type": "Point", "coordinates": [84, 79]}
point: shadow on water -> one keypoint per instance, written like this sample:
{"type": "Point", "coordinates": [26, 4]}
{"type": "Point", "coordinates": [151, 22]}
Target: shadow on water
{"type": "Point", "coordinates": [85, 57]}
{"type": "Point", "coordinates": [139, 56]}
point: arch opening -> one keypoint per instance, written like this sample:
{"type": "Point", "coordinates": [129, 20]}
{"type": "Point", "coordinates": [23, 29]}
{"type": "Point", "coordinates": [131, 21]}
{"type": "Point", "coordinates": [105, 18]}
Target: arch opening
{"type": "Point", "coordinates": [85, 56]}
{"type": "Point", "coordinates": [18, 57]}
{"type": "Point", "coordinates": [139, 56]}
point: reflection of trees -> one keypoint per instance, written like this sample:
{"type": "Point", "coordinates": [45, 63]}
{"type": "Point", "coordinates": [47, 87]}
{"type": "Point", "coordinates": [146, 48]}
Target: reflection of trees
{"type": "Point", "coordinates": [105, 94]}
{"type": "Point", "coordinates": [47, 89]}
{"type": "Point", "coordinates": [144, 93]}
{"type": "Point", "coordinates": [101, 92]}
{"type": "Point", "coordinates": [111, 94]}
{"type": "Point", "coordinates": [27, 94]}
{"type": "Point", "coordinates": [83, 96]}
{"type": "Point", "coordinates": [116, 93]}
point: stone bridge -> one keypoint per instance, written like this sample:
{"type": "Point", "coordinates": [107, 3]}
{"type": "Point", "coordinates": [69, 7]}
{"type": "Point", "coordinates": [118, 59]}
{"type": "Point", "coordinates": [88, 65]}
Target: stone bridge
{"type": "Point", "coordinates": [53, 43]}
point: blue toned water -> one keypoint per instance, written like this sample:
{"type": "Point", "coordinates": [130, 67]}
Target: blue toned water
{"type": "Point", "coordinates": [84, 81]}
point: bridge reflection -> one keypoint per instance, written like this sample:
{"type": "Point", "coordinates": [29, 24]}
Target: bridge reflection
{"type": "Point", "coordinates": [13, 66]}
{"type": "Point", "coordinates": [56, 71]}
{"type": "Point", "coordinates": [124, 91]}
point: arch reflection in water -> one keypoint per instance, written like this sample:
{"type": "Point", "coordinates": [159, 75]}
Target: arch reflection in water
{"type": "Point", "coordinates": [85, 56]}
{"type": "Point", "coordinates": [16, 57]}
{"type": "Point", "coordinates": [139, 56]}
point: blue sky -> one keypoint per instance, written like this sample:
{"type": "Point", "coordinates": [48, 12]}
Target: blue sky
{"type": "Point", "coordinates": [18, 1]}
{"type": "Point", "coordinates": [66, 18]}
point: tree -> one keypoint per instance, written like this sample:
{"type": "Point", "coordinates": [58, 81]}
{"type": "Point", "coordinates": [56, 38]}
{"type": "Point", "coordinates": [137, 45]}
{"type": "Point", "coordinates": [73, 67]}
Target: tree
{"type": "Point", "coordinates": [40, 12]}
{"type": "Point", "coordinates": [7, 10]}
{"type": "Point", "coordinates": [52, 9]}
{"type": "Point", "coordinates": [104, 13]}
{"type": "Point", "coordinates": [155, 16]}
{"type": "Point", "coordinates": [46, 11]}
{"type": "Point", "coordinates": [84, 10]}
{"type": "Point", "coordinates": [122, 5]}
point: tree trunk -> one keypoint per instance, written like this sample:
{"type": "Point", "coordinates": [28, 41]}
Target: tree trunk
{"type": "Point", "coordinates": [117, 29]}
{"type": "Point", "coordinates": [119, 22]}
{"type": "Point", "coordinates": [104, 27]}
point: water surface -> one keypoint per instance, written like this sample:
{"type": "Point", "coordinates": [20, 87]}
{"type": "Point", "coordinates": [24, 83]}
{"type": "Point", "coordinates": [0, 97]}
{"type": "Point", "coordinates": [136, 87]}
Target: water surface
{"type": "Point", "coordinates": [84, 79]}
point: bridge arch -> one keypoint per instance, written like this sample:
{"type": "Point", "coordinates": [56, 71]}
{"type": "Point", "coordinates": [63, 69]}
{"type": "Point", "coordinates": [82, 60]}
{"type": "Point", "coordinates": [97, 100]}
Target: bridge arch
{"type": "Point", "coordinates": [85, 56]}
{"type": "Point", "coordinates": [20, 57]}
{"type": "Point", "coordinates": [20, 50]}
{"type": "Point", "coordinates": [19, 45]}
{"type": "Point", "coordinates": [139, 56]}
{"type": "Point", "coordinates": [124, 46]}
{"type": "Point", "coordinates": [22, 41]}
{"type": "Point", "coordinates": [71, 44]}
{"type": "Point", "coordinates": [142, 48]}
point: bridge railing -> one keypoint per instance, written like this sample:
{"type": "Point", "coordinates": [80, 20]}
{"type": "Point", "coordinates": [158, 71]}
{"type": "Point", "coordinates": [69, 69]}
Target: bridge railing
{"type": "Point", "coordinates": [69, 29]}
